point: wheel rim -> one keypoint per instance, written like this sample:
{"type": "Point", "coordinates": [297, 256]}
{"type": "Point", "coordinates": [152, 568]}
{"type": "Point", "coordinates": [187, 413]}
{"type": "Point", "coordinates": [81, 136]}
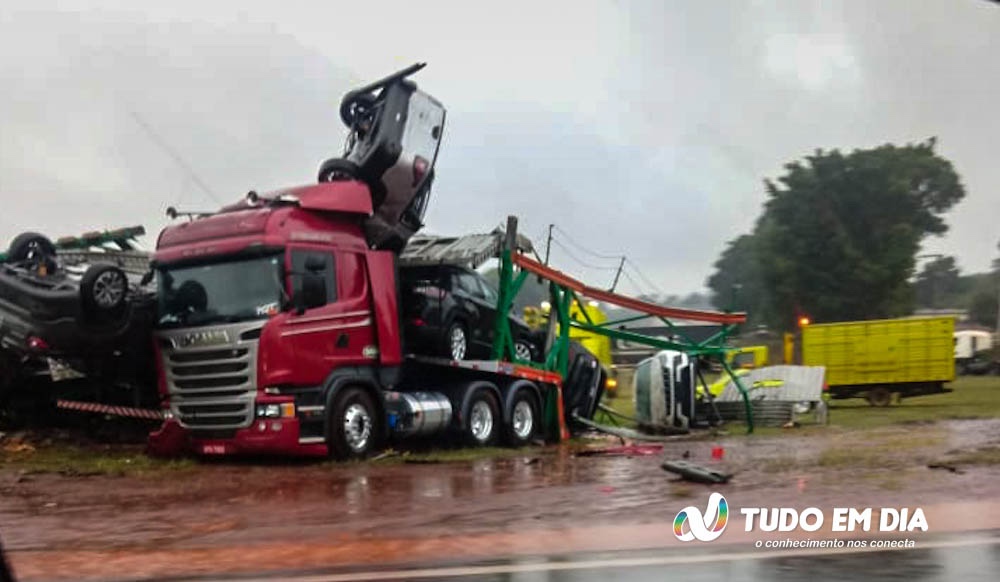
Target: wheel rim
{"type": "Point", "coordinates": [109, 288]}
{"type": "Point", "coordinates": [357, 427]}
{"type": "Point", "coordinates": [523, 419]}
{"type": "Point", "coordinates": [457, 340]}
{"type": "Point", "coordinates": [522, 351]}
{"type": "Point", "coordinates": [34, 250]}
{"type": "Point", "coordinates": [481, 421]}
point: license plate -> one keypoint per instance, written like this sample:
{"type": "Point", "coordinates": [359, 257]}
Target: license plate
{"type": "Point", "coordinates": [213, 449]}
{"type": "Point", "coordinates": [60, 371]}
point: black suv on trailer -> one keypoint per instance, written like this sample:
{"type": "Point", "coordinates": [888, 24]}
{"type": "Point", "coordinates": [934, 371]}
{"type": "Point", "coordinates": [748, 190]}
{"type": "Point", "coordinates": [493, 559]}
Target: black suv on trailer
{"type": "Point", "coordinates": [450, 311]}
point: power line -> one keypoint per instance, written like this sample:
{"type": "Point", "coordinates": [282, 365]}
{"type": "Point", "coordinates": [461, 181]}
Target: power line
{"type": "Point", "coordinates": [175, 156]}
{"type": "Point", "coordinates": [568, 253]}
{"type": "Point", "coordinates": [635, 285]}
{"type": "Point", "coordinates": [584, 249]}
{"type": "Point", "coordinates": [642, 276]}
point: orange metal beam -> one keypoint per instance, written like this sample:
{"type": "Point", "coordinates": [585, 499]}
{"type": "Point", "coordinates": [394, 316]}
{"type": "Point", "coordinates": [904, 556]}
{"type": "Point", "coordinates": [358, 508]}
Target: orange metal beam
{"type": "Point", "coordinates": [565, 280]}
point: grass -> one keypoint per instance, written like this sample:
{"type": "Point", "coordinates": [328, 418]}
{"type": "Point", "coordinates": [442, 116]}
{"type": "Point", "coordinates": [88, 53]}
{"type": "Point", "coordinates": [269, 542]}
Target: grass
{"type": "Point", "coordinates": [73, 460]}
{"type": "Point", "coordinates": [622, 400]}
{"type": "Point", "coordinates": [972, 397]}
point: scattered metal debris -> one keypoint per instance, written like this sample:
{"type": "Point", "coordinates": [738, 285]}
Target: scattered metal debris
{"type": "Point", "coordinates": [696, 473]}
{"type": "Point", "coordinates": [946, 467]}
{"type": "Point", "coordinates": [622, 451]}
{"type": "Point", "coordinates": [627, 433]}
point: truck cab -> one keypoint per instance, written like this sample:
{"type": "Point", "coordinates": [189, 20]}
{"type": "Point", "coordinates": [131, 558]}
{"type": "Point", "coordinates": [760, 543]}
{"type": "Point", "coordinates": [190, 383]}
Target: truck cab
{"type": "Point", "coordinates": [263, 306]}
{"type": "Point", "coordinates": [260, 304]}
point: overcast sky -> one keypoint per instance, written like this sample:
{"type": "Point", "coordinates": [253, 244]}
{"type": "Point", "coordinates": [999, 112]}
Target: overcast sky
{"type": "Point", "coordinates": [642, 128]}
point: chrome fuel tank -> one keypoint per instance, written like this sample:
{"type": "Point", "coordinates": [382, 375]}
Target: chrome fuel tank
{"type": "Point", "coordinates": [417, 413]}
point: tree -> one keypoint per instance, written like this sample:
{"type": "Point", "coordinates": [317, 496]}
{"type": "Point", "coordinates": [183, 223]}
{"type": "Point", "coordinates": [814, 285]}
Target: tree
{"type": "Point", "coordinates": [839, 233]}
{"type": "Point", "coordinates": [983, 308]}
{"type": "Point", "coordinates": [736, 282]}
{"type": "Point", "coordinates": [937, 283]}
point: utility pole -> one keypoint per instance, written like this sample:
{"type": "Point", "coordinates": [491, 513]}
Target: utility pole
{"type": "Point", "coordinates": [933, 279]}
{"type": "Point", "coordinates": [548, 245]}
{"type": "Point", "coordinates": [618, 274]}
{"type": "Point", "coordinates": [996, 263]}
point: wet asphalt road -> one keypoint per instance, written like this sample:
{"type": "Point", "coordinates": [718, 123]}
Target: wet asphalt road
{"type": "Point", "coordinates": [965, 558]}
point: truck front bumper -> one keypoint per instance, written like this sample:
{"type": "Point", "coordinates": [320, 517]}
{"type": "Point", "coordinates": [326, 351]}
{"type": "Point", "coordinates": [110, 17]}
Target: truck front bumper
{"type": "Point", "coordinates": [263, 437]}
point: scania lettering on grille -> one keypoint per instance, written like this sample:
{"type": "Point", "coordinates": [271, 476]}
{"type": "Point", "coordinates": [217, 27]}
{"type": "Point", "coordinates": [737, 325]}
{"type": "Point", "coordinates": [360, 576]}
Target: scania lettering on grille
{"type": "Point", "coordinates": [202, 338]}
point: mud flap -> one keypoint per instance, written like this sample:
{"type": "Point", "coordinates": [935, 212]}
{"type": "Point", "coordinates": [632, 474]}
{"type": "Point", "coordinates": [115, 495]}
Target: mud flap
{"type": "Point", "coordinates": [169, 441]}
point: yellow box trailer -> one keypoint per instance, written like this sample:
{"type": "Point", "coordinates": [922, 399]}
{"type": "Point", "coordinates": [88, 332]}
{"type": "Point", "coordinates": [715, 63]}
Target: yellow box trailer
{"type": "Point", "coordinates": [879, 358]}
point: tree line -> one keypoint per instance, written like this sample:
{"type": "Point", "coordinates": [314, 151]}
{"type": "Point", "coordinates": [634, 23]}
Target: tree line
{"type": "Point", "coordinates": [839, 239]}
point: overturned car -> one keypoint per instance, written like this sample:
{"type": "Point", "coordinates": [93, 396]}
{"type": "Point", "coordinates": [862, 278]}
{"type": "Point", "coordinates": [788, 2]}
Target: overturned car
{"type": "Point", "coordinates": [80, 306]}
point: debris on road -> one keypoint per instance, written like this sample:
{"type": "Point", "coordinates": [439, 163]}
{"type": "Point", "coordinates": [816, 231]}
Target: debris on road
{"type": "Point", "coordinates": [627, 433]}
{"type": "Point", "coordinates": [389, 453]}
{"type": "Point", "coordinates": [947, 467]}
{"type": "Point", "coordinates": [696, 473]}
{"type": "Point", "coordinates": [622, 451]}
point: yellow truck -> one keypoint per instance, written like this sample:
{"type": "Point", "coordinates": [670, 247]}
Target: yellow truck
{"type": "Point", "coordinates": [598, 345]}
{"type": "Point", "coordinates": [747, 357]}
{"type": "Point", "coordinates": [880, 358]}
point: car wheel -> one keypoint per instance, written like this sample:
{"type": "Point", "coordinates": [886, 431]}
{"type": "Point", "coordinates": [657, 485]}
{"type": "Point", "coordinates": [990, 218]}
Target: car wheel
{"type": "Point", "coordinates": [30, 245]}
{"type": "Point", "coordinates": [482, 425]}
{"type": "Point", "coordinates": [802, 407]}
{"type": "Point", "coordinates": [104, 289]}
{"type": "Point", "coordinates": [523, 351]}
{"type": "Point", "coordinates": [338, 169]}
{"type": "Point", "coordinates": [354, 429]}
{"type": "Point", "coordinates": [523, 423]}
{"type": "Point", "coordinates": [457, 341]}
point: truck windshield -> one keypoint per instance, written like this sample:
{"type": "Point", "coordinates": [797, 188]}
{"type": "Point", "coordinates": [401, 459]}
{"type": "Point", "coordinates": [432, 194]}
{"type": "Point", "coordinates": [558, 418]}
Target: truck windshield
{"type": "Point", "coordinates": [232, 291]}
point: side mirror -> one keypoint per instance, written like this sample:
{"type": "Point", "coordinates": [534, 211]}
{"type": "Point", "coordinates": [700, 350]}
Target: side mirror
{"type": "Point", "coordinates": [312, 294]}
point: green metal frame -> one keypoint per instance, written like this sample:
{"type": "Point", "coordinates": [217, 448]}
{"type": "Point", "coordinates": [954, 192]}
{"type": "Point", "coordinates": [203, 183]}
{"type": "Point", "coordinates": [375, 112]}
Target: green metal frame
{"type": "Point", "coordinates": [561, 299]}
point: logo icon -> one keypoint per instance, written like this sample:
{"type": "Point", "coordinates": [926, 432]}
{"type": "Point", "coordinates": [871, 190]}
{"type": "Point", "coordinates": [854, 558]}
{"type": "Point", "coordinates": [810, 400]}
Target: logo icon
{"type": "Point", "coordinates": [194, 339]}
{"type": "Point", "coordinates": [703, 527]}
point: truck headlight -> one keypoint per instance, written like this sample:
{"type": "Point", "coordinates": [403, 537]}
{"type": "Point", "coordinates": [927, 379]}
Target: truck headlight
{"type": "Point", "coordinates": [268, 411]}
{"type": "Point", "coordinates": [283, 410]}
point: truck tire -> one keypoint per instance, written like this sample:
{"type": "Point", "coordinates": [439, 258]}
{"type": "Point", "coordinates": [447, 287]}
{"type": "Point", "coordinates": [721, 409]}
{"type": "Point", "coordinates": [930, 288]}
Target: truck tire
{"type": "Point", "coordinates": [29, 245]}
{"type": "Point", "coordinates": [520, 428]}
{"type": "Point", "coordinates": [482, 419]}
{"type": "Point", "coordinates": [354, 428]}
{"type": "Point", "coordinates": [103, 290]}
{"type": "Point", "coordinates": [879, 396]}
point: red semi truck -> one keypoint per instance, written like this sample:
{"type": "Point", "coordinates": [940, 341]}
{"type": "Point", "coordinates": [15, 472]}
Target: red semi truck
{"type": "Point", "coordinates": [279, 332]}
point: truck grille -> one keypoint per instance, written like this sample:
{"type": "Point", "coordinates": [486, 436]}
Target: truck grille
{"type": "Point", "coordinates": [212, 387]}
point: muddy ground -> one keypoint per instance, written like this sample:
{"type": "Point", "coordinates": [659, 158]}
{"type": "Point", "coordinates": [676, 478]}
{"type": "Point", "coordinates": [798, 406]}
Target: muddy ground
{"type": "Point", "coordinates": [229, 516]}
